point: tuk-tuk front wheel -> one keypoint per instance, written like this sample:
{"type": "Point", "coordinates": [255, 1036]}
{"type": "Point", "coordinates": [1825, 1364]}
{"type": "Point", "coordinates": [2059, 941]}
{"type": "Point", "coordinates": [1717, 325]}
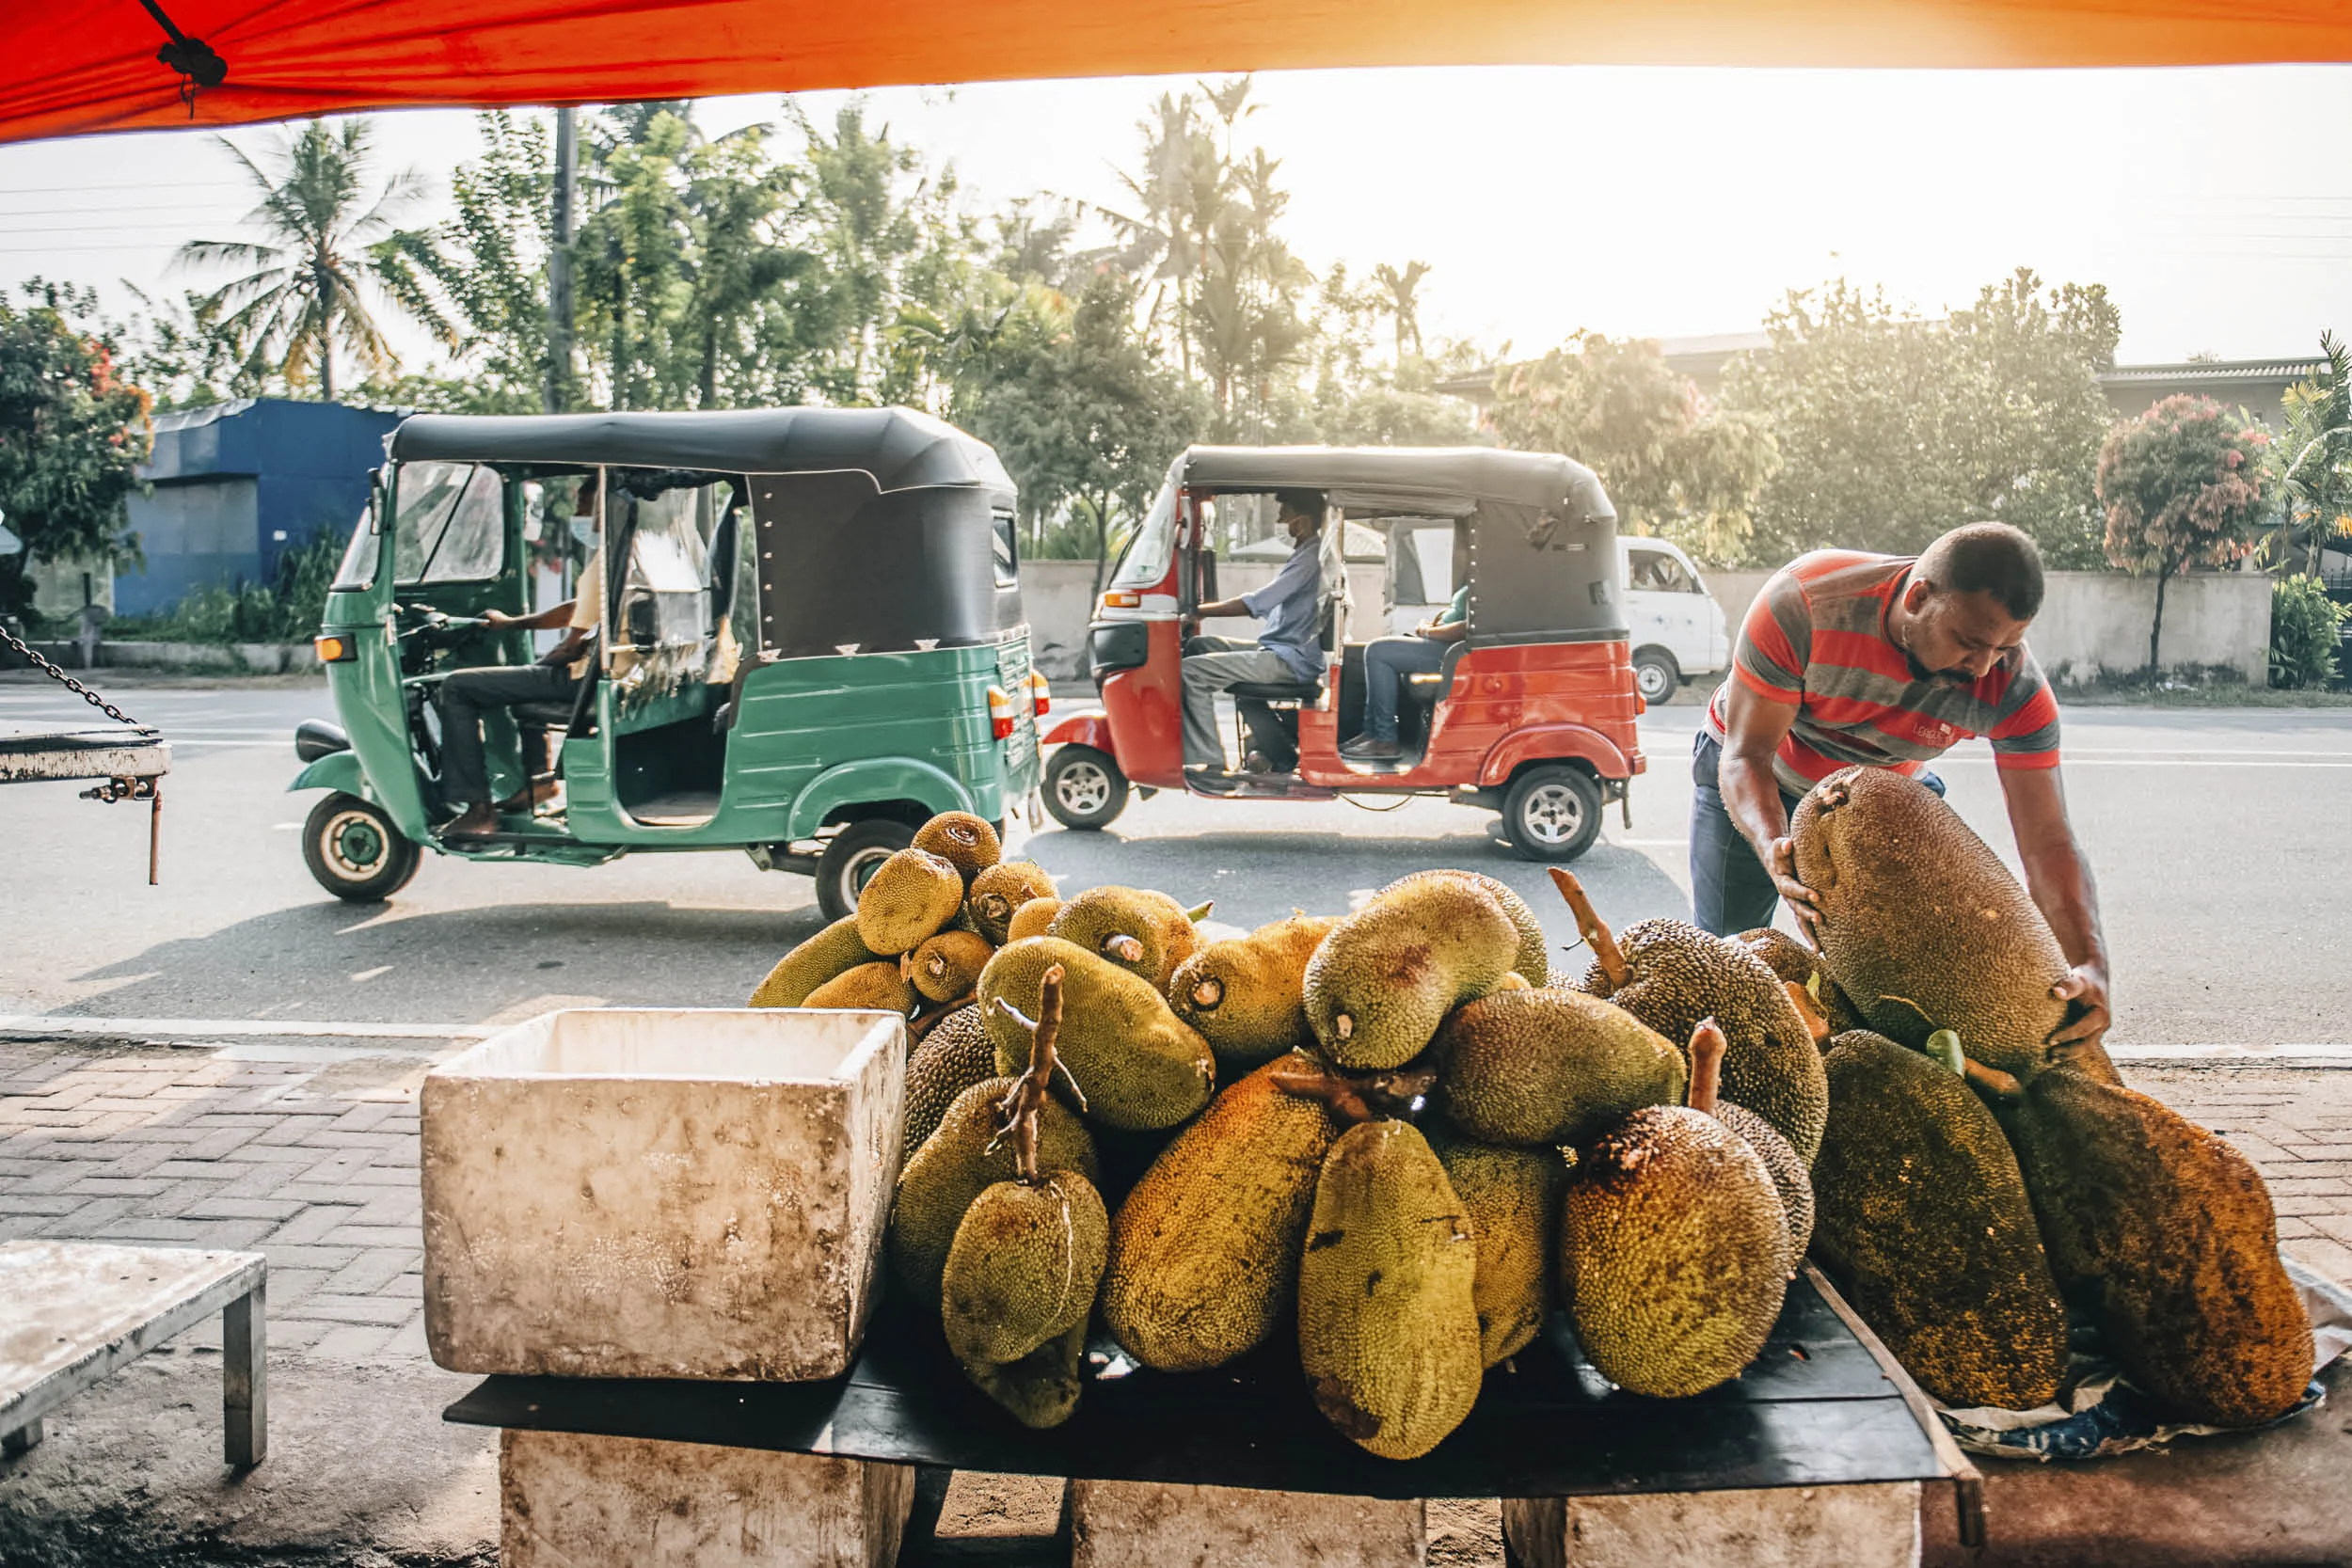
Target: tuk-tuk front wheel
{"type": "Point", "coordinates": [354, 851]}
{"type": "Point", "coordinates": [1084, 787]}
{"type": "Point", "coordinates": [1552, 813]}
{"type": "Point", "coordinates": [850, 859]}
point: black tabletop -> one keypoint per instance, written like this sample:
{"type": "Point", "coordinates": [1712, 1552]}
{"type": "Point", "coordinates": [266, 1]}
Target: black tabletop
{"type": "Point", "coordinates": [1813, 1410]}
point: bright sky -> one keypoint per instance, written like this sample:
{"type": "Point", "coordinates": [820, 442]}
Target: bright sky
{"type": "Point", "coordinates": [2215, 204]}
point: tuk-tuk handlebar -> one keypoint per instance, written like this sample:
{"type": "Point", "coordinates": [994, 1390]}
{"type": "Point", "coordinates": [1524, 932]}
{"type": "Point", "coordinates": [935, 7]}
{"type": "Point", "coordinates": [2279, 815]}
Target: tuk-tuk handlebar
{"type": "Point", "coordinates": [430, 619]}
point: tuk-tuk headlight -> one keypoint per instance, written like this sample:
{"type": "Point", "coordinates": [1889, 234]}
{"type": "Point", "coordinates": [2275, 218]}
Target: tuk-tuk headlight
{"type": "Point", "coordinates": [999, 713]}
{"type": "Point", "coordinates": [1041, 694]}
{"type": "Point", "coordinates": [1123, 600]}
{"type": "Point", "coordinates": [333, 649]}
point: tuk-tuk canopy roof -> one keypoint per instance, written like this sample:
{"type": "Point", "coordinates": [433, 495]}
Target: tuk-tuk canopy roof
{"type": "Point", "coordinates": [902, 449]}
{"type": "Point", "coordinates": [1418, 481]}
{"type": "Point", "coordinates": [81, 65]}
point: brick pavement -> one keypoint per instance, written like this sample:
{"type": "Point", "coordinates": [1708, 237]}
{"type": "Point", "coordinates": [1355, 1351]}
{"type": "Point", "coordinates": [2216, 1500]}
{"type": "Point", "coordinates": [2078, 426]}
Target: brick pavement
{"type": "Point", "coordinates": [315, 1165]}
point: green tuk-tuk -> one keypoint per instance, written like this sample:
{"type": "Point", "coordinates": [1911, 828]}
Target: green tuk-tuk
{"type": "Point", "coordinates": [818, 642]}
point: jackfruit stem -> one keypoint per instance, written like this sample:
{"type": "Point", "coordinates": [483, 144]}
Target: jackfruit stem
{"type": "Point", "coordinates": [926, 1020]}
{"type": "Point", "coordinates": [1588, 921]}
{"type": "Point", "coordinates": [1815, 1024]}
{"type": "Point", "coordinates": [1123, 947]}
{"type": "Point", "coordinates": [1990, 1081]}
{"type": "Point", "coordinates": [1333, 1090]}
{"type": "Point", "coordinates": [1199, 913]}
{"type": "Point", "coordinates": [1707, 1065]}
{"type": "Point", "coordinates": [1021, 1107]}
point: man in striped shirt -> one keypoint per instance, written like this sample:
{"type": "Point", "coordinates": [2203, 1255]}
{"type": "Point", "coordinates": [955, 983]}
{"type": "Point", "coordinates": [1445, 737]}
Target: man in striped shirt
{"type": "Point", "coordinates": [1888, 662]}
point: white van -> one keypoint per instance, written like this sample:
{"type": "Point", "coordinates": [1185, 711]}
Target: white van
{"type": "Point", "coordinates": [1678, 631]}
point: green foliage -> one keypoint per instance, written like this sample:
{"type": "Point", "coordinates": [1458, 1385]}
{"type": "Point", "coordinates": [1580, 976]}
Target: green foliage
{"type": "Point", "coordinates": [1892, 429]}
{"type": "Point", "coordinates": [2184, 484]}
{"type": "Point", "coordinates": [1672, 465]}
{"type": "Point", "coordinates": [287, 609]}
{"type": "Point", "coordinates": [70, 436]}
{"type": "Point", "coordinates": [2304, 633]}
{"type": "Point", "coordinates": [2316, 450]}
{"type": "Point", "coordinates": [303, 303]}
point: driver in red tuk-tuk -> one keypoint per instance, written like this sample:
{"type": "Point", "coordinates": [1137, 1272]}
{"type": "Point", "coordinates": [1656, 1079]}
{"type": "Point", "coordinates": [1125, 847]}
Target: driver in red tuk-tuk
{"type": "Point", "coordinates": [1286, 650]}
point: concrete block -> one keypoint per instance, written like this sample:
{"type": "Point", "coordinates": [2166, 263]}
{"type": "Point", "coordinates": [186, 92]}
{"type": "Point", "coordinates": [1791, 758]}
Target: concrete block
{"type": "Point", "coordinates": [1784, 1526]}
{"type": "Point", "coordinates": [1121, 1524]}
{"type": "Point", "coordinates": [566, 1500]}
{"type": "Point", "coordinates": [641, 1192]}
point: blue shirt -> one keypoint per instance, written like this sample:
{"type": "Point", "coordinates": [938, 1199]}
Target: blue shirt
{"type": "Point", "coordinates": [1287, 605]}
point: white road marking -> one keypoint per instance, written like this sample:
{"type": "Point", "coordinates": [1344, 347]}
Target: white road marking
{"type": "Point", "coordinates": [255, 1028]}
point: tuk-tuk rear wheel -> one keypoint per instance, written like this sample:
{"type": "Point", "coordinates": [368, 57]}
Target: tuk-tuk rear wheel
{"type": "Point", "coordinates": [1084, 787]}
{"type": "Point", "coordinates": [850, 859]}
{"type": "Point", "coordinates": [1552, 813]}
{"type": "Point", "coordinates": [355, 852]}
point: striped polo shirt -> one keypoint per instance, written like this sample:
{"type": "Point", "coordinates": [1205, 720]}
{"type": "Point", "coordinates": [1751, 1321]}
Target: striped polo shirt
{"type": "Point", "coordinates": [1816, 638]}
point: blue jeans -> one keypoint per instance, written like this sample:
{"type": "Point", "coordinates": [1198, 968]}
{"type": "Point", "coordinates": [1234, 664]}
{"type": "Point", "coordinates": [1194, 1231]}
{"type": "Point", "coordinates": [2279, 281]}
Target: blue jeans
{"type": "Point", "coordinates": [1730, 890]}
{"type": "Point", "coordinates": [1387, 661]}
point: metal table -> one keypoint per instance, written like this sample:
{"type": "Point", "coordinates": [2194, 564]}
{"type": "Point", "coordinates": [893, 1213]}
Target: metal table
{"type": "Point", "coordinates": [1816, 1408]}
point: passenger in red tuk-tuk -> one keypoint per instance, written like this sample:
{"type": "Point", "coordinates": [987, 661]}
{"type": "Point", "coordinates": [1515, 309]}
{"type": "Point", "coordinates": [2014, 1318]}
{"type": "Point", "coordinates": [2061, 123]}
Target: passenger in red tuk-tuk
{"type": "Point", "coordinates": [1286, 650]}
{"type": "Point", "coordinates": [1388, 659]}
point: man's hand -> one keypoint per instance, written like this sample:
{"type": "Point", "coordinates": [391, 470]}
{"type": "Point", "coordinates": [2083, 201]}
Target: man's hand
{"type": "Point", "coordinates": [2086, 984]}
{"type": "Point", "coordinates": [499, 618]}
{"type": "Point", "coordinates": [1798, 896]}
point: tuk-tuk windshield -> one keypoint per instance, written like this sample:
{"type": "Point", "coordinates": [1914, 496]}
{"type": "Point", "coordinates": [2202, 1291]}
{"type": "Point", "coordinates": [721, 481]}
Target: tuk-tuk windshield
{"type": "Point", "coordinates": [1145, 560]}
{"type": "Point", "coordinates": [358, 572]}
{"type": "Point", "coordinates": [448, 523]}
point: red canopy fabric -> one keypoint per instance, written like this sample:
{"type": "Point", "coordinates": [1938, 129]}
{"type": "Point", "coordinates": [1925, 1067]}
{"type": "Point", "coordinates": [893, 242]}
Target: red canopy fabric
{"type": "Point", "coordinates": [81, 65]}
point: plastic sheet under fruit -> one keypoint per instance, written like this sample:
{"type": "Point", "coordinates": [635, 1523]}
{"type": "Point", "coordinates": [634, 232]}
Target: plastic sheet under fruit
{"type": "Point", "coordinates": [2100, 1413]}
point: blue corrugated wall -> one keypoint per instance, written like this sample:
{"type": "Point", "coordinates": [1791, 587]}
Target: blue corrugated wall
{"type": "Point", "coordinates": [238, 484]}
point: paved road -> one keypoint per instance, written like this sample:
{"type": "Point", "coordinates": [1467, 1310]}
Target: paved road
{"type": "Point", "coordinates": [2219, 838]}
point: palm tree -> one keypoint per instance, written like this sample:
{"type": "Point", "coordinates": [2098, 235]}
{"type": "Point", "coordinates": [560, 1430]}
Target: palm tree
{"type": "Point", "coordinates": [1396, 295]}
{"type": "Point", "coordinates": [302, 302]}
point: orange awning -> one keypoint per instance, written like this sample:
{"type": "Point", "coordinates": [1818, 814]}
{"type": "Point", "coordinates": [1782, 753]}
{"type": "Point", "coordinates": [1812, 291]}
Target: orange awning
{"type": "Point", "coordinates": [80, 66]}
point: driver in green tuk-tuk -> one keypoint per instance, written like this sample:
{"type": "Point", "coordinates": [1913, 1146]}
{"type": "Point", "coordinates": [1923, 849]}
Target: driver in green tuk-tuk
{"type": "Point", "coordinates": [554, 677]}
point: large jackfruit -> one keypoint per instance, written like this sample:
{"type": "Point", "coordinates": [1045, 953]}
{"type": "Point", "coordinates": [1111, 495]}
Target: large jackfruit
{"type": "Point", "coordinates": [1512, 1199]}
{"type": "Point", "coordinates": [1534, 962]}
{"type": "Point", "coordinates": [1550, 1067]}
{"type": "Point", "coordinates": [1386, 975]}
{"type": "Point", "coordinates": [948, 965]}
{"type": "Point", "coordinates": [1042, 1388]}
{"type": "Point", "coordinates": [960, 1160]}
{"type": "Point", "coordinates": [1144, 933]}
{"type": "Point", "coordinates": [956, 1054]}
{"type": "Point", "coordinates": [1924, 929]}
{"type": "Point", "coordinates": [2169, 1233]}
{"type": "Point", "coordinates": [834, 950]}
{"type": "Point", "coordinates": [911, 895]}
{"type": "Point", "coordinates": [1388, 1315]}
{"type": "Point", "coordinates": [1246, 994]}
{"type": "Point", "coordinates": [1678, 974]}
{"type": "Point", "coordinates": [1923, 1218]}
{"type": "Point", "coordinates": [1031, 919]}
{"type": "Point", "coordinates": [1204, 1252]}
{"type": "Point", "coordinates": [1137, 1064]}
{"type": "Point", "coordinates": [1674, 1252]}
{"type": "Point", "coordinates": [998, 892]}
{"type": "Point", "coordinates": [966, 842]}
{"type": "Point", "coordinates": [878, 984]}
{"type": "Point", "coordinates": [1789, 1177]}
{"type": "Point", "coordinates": [1024, 1266]}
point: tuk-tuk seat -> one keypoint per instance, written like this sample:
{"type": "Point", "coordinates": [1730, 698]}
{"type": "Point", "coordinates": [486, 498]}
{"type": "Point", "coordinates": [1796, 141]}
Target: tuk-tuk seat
{"type": "Point", "coordinates": [1277, 691]}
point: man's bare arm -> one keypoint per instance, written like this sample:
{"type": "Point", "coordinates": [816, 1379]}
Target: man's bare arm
{"type": "Point", "coordinates": [2059, 879]}
{"type": "Point", "coordinates": [546, 619]}
{"type": "Point", "coordinates": [1754, 727]}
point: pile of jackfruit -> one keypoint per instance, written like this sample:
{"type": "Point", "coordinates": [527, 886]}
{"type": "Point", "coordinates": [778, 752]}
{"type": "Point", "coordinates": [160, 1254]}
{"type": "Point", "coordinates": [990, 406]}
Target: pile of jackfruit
{"type": "Point", "coordinates": [1401, 1135]}
{"type": "Point", "coordinates": [1396, 1130]}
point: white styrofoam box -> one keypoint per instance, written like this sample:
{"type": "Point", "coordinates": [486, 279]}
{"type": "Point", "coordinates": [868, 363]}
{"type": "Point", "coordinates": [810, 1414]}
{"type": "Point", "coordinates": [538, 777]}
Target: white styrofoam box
{"type": "Point", "coordinates": [625, 1192]}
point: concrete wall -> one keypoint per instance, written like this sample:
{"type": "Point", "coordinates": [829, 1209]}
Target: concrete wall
{"type": "Point", "coordinates": [2091, 623]}
{"type": "Point", "coordinates": [2096, 622]}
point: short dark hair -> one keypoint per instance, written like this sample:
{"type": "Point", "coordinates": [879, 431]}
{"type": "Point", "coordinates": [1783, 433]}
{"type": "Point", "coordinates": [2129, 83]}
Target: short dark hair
{"type": "Point", "coordinates": [1307, 504]}
{"type": "Point", "coordinates": [1986, 558]}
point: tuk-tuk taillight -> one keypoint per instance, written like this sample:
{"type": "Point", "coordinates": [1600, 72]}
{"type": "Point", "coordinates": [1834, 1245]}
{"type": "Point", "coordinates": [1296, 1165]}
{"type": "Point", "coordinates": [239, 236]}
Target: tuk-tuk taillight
{"type": "Point", "coordinates": [1040, 693]}
{"type": "Point", "coordinates": [334, 650]}
{"type": "Point", "coordinates": [999, 713]}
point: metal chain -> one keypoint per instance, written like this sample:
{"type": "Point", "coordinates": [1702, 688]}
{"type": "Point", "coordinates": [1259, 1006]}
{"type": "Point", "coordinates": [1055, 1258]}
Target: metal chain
{"type": "Point", "coordinates": [71, 684]}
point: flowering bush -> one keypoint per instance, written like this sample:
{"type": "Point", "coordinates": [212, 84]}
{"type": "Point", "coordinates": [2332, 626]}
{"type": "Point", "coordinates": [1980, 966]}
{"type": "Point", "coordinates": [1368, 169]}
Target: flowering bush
{"type": "Point", "coordinates": [2184, 484]}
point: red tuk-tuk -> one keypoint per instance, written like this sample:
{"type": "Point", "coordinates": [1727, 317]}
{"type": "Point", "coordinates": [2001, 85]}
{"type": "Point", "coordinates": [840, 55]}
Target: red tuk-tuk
{"type": "Point", "coordinates": [1531, 714]}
